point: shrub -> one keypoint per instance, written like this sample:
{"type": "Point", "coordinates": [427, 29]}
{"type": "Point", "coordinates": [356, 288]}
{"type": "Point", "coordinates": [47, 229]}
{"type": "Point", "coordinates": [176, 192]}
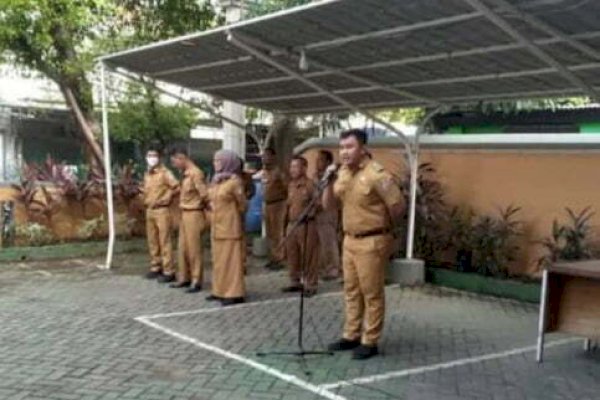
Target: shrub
{"type": "Point", "coordinates": [486, 244]}
{"type": "Point", "coordinates": [92, 228]}
{"type": "Point", "coordinates": [34, 234]}
{"type": "Point", "coordinates": [495, 242]}
{"type": "Point", "coordinates": [569, 241]}
{"type": "Point", "coordinates": [431, 215]}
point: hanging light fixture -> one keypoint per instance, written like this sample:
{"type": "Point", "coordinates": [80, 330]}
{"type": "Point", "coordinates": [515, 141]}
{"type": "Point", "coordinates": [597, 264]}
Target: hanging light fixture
{"type": "Point", "coordinates": [303, 63]}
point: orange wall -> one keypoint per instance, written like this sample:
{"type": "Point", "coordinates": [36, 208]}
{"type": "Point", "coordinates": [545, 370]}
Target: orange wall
{"type": "Point", "coordinates": [542, 183]}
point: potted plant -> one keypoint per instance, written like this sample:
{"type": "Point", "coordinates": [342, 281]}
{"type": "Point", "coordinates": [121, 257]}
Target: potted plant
{"type": "Point", "coordinates": [495, 242]}
{"type": "Point", "coordinates": [569, 241]}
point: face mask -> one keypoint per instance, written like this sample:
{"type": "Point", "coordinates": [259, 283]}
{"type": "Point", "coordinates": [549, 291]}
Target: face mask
{"type": "Point", "coordinates": [152, 161]}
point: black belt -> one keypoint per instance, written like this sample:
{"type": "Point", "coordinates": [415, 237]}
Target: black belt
{"type": "Point", "coordinates": [158, 207]}
{"type": "Point", "coordinates": [274, 201]}
{"type": "Point", "coordinates": [373, 232]}
{"type": "Point", "coordinates": [306, 220]}
{"type": "Point", "coordinates": [192, 209]}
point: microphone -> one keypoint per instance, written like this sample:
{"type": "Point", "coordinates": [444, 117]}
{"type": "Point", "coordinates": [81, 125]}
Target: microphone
{"type": "Point", "coordinates": [329, 173]}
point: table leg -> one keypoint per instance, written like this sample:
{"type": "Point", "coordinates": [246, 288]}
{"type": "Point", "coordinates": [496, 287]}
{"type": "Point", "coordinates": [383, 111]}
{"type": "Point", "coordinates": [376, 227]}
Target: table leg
{"type": "Point", "coordinates": [542, 317]}
{"type": "Point", "coordinates": [587, 345]}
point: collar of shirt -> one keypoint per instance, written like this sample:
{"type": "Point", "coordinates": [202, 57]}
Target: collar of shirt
{"type": "Point", "coordinates": [155, 170]}
{"type": "Point", "coordinates": [300, 181]}
{"type": "Point", "coordinates": [361, 166]}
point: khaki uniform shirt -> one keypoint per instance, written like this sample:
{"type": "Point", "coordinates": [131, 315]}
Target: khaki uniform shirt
{"type": "Point", "coordinates": [300, 193]}
{"type": "Point", "coordinates": [274, 185]}
{"type": "Point", "coordinates": [366, 195]}
{"type": "Point", "coordinates": [194, 192]}
{"type": "Point", "coordinates": [159, 187]}
{"type": "Point", "coordinates": [228, 204]}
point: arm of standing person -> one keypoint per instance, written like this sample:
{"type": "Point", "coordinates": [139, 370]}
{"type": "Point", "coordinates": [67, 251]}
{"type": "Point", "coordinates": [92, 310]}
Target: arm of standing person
{"type": "Point", "coordinates": [390, 194]}
{"type": "Point", "coordinates": [171, 182]}
{"type": "Point", "coordinates": [201, 187]}
{"type": "Point", "coordinates": [239, 195]}
{"type": "Point", "coordinates": [334, 189]}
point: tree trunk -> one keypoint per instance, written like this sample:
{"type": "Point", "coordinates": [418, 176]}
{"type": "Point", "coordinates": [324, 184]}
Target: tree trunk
{"type": "Point", "coordinates": [281, 139]}
{"type": "Point", "coordinates": [75, 87]}
{"type": "Point", "coordinates": [85, 125]}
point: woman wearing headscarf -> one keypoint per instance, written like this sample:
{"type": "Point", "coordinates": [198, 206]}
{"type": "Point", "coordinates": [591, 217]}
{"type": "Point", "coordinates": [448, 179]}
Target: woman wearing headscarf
{"type": "Point", "coordinates": [228, 204]}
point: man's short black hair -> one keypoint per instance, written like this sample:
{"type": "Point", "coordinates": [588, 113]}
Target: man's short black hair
{"type": "Point", "coordinates": [301, 159]}
{"type": "Point", "coordinates": [328, 155]}
{"type": "Point", "coordinates": [359, 134]}
{"type": "Point", "coordinates": [155, 148]}
{"type": "Point", "coordinates": [179, 150]}
{"type": "Point", "coordinates": [270, 150]}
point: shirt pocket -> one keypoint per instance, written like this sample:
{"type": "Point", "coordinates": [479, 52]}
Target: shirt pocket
{"type": "Point", "coordinates": [363, 188]}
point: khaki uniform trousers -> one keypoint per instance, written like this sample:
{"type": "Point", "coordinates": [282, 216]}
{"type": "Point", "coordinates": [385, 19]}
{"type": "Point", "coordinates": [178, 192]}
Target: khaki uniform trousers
{"type": "Point", "coordinates": [158, 234]}
{"type": "Point", "coordinates": [298, 256]}
{"type": "Point", "coordinates": [191, 226]}
{"type": "Point", "coordinates": [275, 227]}
{"type": "Point", "coordinates": [364, 262]}
{"type": "Point", "coordinates": [228, 268]}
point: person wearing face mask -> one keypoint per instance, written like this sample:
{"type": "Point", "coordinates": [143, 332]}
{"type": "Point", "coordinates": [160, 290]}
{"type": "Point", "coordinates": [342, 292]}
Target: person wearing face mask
{"type": "Point", "coordinates": [371, 204]}
{"type": "Point", "coordinates": [227, 203]}
{"type": "Point", "coordinates": [160, 188]}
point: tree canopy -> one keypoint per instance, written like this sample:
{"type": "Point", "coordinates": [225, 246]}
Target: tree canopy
{"type": "Point", "coordinates": [141, 118]}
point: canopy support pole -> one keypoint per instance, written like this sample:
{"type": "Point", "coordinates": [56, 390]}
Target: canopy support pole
{"type": "Point", "coordinates": [501, 23]}
{"type": "Point", "coordinates": [107, 172]}
{"type": "Point", "coordinates": [414, 174]}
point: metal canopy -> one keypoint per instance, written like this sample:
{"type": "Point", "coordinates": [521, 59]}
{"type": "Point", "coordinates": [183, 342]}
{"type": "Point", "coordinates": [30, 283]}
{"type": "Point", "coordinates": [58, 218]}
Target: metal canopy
{"type": "Point", "coordinates": [353, 55]}
{"type": "Point", "coordinates": [364, 54]}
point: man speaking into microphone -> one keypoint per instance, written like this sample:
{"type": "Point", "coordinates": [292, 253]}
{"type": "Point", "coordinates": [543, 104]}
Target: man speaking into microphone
{"type": "Point", "coordinates": [371, 204]}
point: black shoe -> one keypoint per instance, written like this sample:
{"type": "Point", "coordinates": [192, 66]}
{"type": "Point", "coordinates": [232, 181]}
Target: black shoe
{"type": "Point", "coordinates": [308, 293]}
{"type": "Point", "coordinates": [292, 289]}
{"type": "Point", "coordinates": [166, 278]}
{"type": "Point", "coordinates": [343, 345]}
{"type": "Point", "coordinates": [364, 352]}
{"type": "Point", "coordinates": [194, 289]}
{"type": "Point", "coordinates": [328, 278]}
{"type": "Point", "coordinates": [232, 301]}
{"type": "Point", "coordinates": [274, 266]}
{"type": "Point", "coordinates": [180, 285]}
{"type": "Point", "coordinates": [212, 297]}
{"type": "Point", "coordinates": [152, 275]}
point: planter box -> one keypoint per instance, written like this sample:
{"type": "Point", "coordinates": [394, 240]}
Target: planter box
{"type": "Point", "coordinates": [69, 250]}
{"type": "Point", "coordinates": [405, 272]}
{"type": "Point", "coordinates": [505, 288]}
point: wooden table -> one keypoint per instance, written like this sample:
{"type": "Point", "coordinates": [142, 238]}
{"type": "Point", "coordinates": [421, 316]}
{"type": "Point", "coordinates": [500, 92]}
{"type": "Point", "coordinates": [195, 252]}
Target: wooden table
{"type": "Point", "coordinates": [570, 302]}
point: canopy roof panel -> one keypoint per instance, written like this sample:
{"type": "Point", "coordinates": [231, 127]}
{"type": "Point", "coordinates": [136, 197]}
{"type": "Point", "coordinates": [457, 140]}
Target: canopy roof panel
{"type": "Point", "coordinates": [386, 53]}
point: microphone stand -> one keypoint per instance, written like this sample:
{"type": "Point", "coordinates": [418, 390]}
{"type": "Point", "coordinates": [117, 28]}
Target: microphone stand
{"type": "Point", "coordinates": [303, 219]}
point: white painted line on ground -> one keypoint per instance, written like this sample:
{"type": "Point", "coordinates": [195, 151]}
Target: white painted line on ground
{"type": "Point", "coordinates": [292, 379]}
{"type": "Point", "coordinates": [237, 307]}
{"type": "Point", "coordinates": [436, 367]}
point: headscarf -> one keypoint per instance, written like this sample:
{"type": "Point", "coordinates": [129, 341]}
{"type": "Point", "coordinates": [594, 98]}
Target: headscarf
{"type": "Point", "coordinates": [231, 165]}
